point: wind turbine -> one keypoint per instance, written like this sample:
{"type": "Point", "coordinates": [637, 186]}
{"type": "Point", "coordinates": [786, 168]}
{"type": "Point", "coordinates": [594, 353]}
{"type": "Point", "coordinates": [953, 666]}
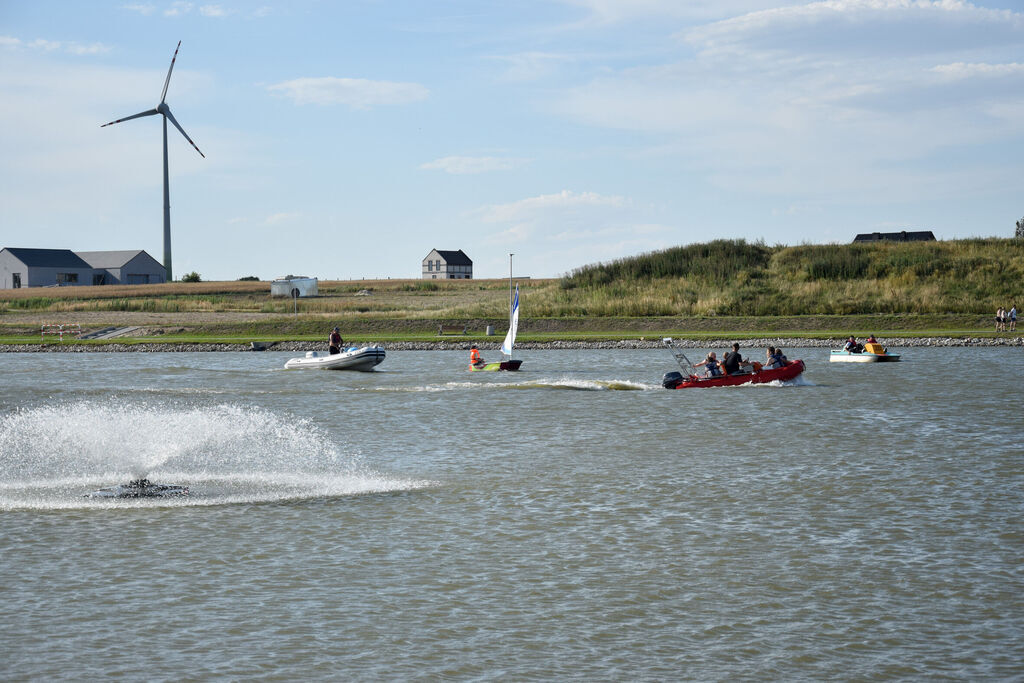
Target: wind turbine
{"type": "Point", "coordinates": [165, 111]}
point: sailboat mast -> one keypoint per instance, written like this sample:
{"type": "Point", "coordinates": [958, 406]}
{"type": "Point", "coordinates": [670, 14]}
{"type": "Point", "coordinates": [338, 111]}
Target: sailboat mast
{"type": "Point", "coordinates": [510, 290]}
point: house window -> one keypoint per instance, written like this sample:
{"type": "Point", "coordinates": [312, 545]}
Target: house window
{"type": "Point", "coordinates": [16, 280]}
{"type": "Point", "coordinates": [430, 266]}
{"type": "Point", "coordinates": [67, 278]}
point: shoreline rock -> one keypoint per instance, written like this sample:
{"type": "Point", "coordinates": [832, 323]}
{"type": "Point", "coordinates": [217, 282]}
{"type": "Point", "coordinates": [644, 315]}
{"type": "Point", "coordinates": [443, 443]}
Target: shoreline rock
{"type": "Point", "coordinates": [624, 344]}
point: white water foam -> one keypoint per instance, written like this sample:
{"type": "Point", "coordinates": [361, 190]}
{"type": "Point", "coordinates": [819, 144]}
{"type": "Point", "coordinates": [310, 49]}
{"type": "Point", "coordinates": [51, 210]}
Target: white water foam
{"type": "Point", "coordinates": [561, 383]}
{"type": "Point", "coordinates": [50, 456]}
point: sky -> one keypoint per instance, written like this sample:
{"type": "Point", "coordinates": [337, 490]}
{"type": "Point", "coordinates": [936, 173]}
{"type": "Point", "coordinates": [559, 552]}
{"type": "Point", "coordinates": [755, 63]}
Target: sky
{"type": "Point", "coordinates": [345, 139]}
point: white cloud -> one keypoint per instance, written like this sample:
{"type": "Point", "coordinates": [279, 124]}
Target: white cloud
{"type": "Point", "coordinates": [531, 66]}
{"type": "Point", "coordinates": [283, 217]}
{"type": "Point", "coordinates": [43, 45]}
{"type": "Point", "coordinates": [178, 9]}
{"type": "Point", "coordinates": [867, 28]}
{"type": "Point", "coordinates": [547, 204]}
{"type": "Point", "coordinates": [357, 93]}
{"type": "Point", "coordinates": [144, 10]}
{"type": "Point", "coordinates": [840, 94]}
{"type": "Point", "coordinates": [604, 12]}
{"type": "Point", "coordinates": [961, 71]}
{"type": "Point", "coordinates": [472, 165]}
{"type": "Point", "coordinates": [213, 11]}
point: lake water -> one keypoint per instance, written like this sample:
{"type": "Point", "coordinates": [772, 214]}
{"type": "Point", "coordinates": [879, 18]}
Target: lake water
{"type": "Point", "coordinates": [571, 521]}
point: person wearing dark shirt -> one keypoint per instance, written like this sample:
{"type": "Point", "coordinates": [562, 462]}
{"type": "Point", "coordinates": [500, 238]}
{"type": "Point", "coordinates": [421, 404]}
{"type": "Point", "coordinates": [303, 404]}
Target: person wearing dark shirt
{"type": "Point", "coordinates": [732, 361]}
{"type": "Point", "coordinates": [334, 342]}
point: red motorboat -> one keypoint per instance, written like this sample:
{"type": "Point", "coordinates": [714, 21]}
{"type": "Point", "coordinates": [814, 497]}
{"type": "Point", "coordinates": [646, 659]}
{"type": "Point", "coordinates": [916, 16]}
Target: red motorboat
{"type": "Point", "coordinates": [675, 380]}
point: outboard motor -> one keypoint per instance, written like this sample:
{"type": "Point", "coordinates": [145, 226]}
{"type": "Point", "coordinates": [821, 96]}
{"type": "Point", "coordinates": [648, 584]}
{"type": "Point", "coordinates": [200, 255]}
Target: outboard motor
{"type": "Point", "coordinates": [671, 380]}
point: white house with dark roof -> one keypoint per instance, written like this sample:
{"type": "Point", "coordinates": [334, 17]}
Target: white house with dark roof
{"type": "Point", "coordinates": [62, 267]}
{"type": "Point", "coordinates": [134, 267]}
{"type": "Point", "coordinates": [447, 265]}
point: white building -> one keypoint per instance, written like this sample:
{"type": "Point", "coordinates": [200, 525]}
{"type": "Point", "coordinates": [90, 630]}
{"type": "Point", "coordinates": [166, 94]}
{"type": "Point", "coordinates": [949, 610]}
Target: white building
{"type": "Point", "coordinates": [447, 265]}
{"type": "Point", "coordinates": [295, 286]}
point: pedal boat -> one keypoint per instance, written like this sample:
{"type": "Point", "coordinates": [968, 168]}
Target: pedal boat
{"type": "Point", "coordinates": [507, 365]}
{"type": "Point", "coordinates": [363, 359]}
{"type": "Point", "coordinates": [872, 353]}
{"type": "Point", "coordinates": [675, 380]}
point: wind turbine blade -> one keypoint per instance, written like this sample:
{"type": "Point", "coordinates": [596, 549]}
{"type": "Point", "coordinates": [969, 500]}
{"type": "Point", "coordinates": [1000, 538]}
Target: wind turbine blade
{"type": "Point", "coordinates": [150, 112]}
{"type": "Point", "coordinates": [168, 114]}
{"type": "Point", "coordinates": [167, 82]}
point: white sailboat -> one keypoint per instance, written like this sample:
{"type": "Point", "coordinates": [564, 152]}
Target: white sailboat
{"type": "Point", "coordinates": [508, 344]}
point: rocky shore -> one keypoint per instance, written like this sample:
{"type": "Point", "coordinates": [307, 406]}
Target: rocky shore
{"type": "Point", "coordinates": [641, 343]}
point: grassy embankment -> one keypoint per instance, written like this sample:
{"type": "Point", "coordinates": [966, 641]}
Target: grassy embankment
{"type": "Point", "coordinates": [722, 288]}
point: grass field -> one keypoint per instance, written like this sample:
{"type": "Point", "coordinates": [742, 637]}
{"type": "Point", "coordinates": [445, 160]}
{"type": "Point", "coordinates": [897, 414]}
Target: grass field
{"type": "Point", "coordinates": [723, 288]}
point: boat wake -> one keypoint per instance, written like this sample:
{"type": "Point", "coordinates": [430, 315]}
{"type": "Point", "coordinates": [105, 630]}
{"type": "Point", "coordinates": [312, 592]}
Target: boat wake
{"type": "Point", "coordinates": [50, 457]}
{"type": "Point", "coordinates": [533, 384]}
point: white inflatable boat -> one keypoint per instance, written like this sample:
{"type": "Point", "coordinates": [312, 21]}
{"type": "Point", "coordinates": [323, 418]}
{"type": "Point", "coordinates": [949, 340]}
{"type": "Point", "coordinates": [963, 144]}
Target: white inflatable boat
{"type": "Point", "coordinates": [363, 359]}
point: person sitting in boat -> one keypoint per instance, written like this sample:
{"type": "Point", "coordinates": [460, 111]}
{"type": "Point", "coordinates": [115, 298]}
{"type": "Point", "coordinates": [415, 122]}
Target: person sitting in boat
{"type": "Point", "coordinates": [871, 339]}
{"type": "Point", "coordinates": [733, 363]}
{"type": "Point", "coordinates": [474, 357]}
{"type": "Point", "coordinates": [334, 342]}
{"type": "Point", "coordinates": [710, 363]}
{"type": "Point", "coordinates": [853, 346]}
{"type": "Point", "coordinates": [781, 356]}
{"type": "Point", "coordinates": [772, 360]}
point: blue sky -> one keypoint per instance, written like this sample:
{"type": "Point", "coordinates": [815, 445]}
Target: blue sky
{"type": "Point", "coordinates": [346, 139]}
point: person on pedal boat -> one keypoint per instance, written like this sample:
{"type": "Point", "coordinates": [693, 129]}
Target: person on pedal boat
{"type": "Point", "coordinates": [474, 357]}
{"type": "Point", "coordinates": [852, 345]}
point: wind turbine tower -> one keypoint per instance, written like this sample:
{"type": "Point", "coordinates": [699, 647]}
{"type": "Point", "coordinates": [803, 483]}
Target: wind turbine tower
{"type": "Point", "coordinates": [164, 111]}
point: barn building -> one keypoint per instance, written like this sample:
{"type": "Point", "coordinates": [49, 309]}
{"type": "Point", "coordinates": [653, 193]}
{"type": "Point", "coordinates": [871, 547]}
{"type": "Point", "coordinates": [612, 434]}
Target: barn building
{"type": "Point", "coordinates": [64, 268]}
{"type": "Point", "coordinates": [124, 267]}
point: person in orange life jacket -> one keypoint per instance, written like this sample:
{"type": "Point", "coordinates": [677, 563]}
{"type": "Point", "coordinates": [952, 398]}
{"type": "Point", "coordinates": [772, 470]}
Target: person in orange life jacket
{"type": "Point", "coordinates": [853, 346]}
{"type": "Point", "coordinates": [871, 339]}
{"type": "Point", "coordinates": [474, 356]}
{"type": "Point", "coordinates": [334, 342]}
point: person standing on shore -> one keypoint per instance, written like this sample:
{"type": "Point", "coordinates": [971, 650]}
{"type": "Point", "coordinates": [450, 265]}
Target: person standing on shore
{"type": "Point", "coordinates": [999, 318]}
{"type": "Point", "coordinates": [1012, 315]}
{"type": "Point", "coordinates": [334, 342]}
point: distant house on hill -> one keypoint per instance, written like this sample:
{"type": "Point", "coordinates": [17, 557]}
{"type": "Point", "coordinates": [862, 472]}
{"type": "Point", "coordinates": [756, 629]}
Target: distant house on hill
{"type": "Point", "coordinates": [903, 236]}
{"type": "Point", "coordinates": [447, 265]}
{"type": "Point", "coordinates": [64, 268]}
{"type": "Point", "coordinates": [124, 267]}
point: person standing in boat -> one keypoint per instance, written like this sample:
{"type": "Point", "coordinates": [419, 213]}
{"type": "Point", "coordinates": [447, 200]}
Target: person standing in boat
{"type": "Point", "coordinates": [474, 357]}
{"type": "Point", "coordinates": [334, 342]}
{"type": "Point", "coordinates": [732, 363]}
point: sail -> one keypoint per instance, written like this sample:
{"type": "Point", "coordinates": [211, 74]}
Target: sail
{"type": "Point", "coordinates": [510, 338]}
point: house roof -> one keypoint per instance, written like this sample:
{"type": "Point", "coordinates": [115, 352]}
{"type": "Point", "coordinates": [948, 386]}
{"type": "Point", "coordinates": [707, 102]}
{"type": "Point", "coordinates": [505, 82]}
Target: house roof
{"type": "Point", "coordinates": [455, 258]}
{"type": "Point", "coordinates": [47, 258]}
{"type": "Point", "coordinates": [902, 236]}
{"type": "Point", "coordinates": [112, 259]}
